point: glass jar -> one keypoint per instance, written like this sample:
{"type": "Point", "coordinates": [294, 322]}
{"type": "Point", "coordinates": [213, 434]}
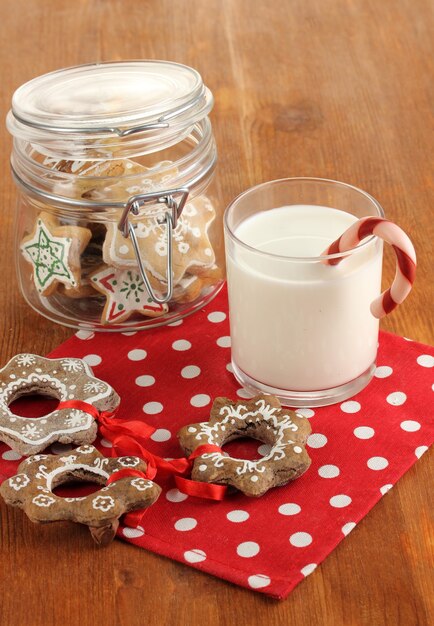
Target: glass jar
{"type": "Point", "coordinates": [119, 225]}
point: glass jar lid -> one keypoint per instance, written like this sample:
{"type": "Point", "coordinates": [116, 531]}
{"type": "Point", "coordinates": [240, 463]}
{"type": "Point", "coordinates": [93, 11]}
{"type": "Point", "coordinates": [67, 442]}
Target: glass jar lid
{"type": "Point", "coordinates": [120, 98]}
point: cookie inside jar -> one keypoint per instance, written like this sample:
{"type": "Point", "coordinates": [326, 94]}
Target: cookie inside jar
{"type": "Point", "coordinates": [152, 170]}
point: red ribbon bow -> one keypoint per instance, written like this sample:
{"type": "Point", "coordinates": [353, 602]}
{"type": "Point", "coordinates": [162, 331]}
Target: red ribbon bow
{"type": "Point", "coordinates": [125, 436]}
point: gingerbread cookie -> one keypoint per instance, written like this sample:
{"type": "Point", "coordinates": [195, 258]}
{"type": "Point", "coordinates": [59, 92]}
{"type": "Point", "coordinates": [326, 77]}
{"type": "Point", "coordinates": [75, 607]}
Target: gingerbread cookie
{"type": "Point", "coordinates": [125, 294]}
{"type": "Point", "coordinates": [261, 418]}
{"type": "Point", "coordinates": [191, 244]}
{"type": "Point", "coordinates": [191, 286]}
{"type": "Point", "coordinates": [31, 489]}
{"type": "Point", "coordinates": [65, 379]}
{"type": "Point", "coordinates": [54, 253]}
{"type": "Point", "coordinates": [110, 179]}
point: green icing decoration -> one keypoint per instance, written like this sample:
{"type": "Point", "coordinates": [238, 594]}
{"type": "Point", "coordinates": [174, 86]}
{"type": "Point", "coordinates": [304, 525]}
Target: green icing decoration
{"type": "Point", "coordinates": [49, 258]}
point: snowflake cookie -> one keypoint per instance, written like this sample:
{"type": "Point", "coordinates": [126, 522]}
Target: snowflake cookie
{"type": "Point", "coordinates": [64, 379]}
{"type": "Point", "coordinates": [54, 253]}
{"type": "Point", "coordinates": [32, 490]}
{"type": "Point", "coordinates": [261, 418]}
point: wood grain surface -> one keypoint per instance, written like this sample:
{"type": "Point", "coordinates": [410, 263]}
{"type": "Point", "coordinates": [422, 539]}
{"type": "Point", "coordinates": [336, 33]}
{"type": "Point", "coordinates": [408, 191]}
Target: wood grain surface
{"type": "Point", "coordinates": [331, 88]}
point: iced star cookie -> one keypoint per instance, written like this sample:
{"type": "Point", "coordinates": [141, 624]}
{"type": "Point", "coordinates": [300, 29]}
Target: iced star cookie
{"type": "Point", "coordinates": [31, 489]}
{"type": "Point", "coordinates": [191, 244]}
{"type": "Point", "coordinates": [65, 379]}
{"type": "Point", "coordinates": [54, 253]}
{"type": "Point", "coordinates": [125, 294]}
{"type": "Point", "coordinates": [261, 418]}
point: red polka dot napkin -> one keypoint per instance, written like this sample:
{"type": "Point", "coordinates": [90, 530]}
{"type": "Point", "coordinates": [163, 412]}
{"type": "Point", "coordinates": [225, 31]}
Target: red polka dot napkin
{"type": "Point", "coordinates": [359, 449]}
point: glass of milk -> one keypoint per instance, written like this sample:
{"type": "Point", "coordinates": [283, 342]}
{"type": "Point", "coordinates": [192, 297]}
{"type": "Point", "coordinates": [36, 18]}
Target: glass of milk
{"type": "Point", "coordinates": [301, 329]}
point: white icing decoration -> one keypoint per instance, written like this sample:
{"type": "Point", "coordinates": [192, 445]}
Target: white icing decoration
{"type": "Point", "coordinates": [103, 503]}
{"type": "Point", "coordinates": [43, 500]}
{"type": "Point", "coordinates": [26, 359]}
{"type": "Point", "coordinates": [129, 461]}
{"type": "Point", "coordinates": [141, 484]}
{"type": "Point", "coordinates": [265, 413]}
{"type": "Point", "coordinates": [19, 481]}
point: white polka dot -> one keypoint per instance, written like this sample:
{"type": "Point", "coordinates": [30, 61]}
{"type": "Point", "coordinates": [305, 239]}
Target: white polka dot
{"type": "Point", "coordinates": [396, 398]}
{"type": "Point", "coordinates": [190, 371]}
{"type": "Point", "coordinates": [176, 323]}
{"type": "Point", "coordinates": [348, 527]}
{"type": "Point", "coordinates": [11, 455]}
{"type": "Point", "coordinates": [195, 556]}
{"type": "Point", "coordinates": [237, 516]}
{"type": "Point", "coordinates": [377, 463]}
{"type": "Point", "coordinates": [161, 434]}
{"type": "Point", "coordinates": [230, 368]}
{"type": "Point", "coordinates": [410, 426]}
{"type": "Point", "coordinates": [385, 488]}
{"type": "Point", "coordinates": [216, 317]}
{"type": "Point", "coordinates": [201, 399]}
{"type": "Point", "coordinates": [145, 381]}
{"type": "Point", "coordinates": [60, 448]}
{"type": "Point", "coordinates": [85, 335]}
{"type": "Point", "coordinates": [316, 440]}
{"type": "Point", "coordinates": [203, 467]}
{"type": "Point", "coordinates": [181, 345]}
{"type": "Point", "coordinates": [364, 432]}
{"type": "Point", "coordinates": [290, 508]}
{"type": "Point", "coordinates": [185, 523]}
{"type": "Point", "coordinates": [305, 412]}
{"type": "Point", "coordinates": [300, 540]}
{"type": "Point", "coordinates": [258, 581]}
{"type": "Point", "coordinates": [420, 450]}
{"type": "Point", "coordinates": [328, 471]}
{"type": "Point", "coordinates": [383, 371]}
{"type": "Point", "coordinates": [264, 449]}
{"type": "Point", "coordinates": [350, 407]}
{"type": "Point", "coordinates": [297, 449]}
{"type": "Point", "coordinates": [243, 393]}
{"type": "Point", "coordinates": [425, 360]}
{"type": "Point", "coordinates": [151, 408]}
{"type": "Point", "coordinates": [247, 549]}
{"type": "Point", "coordinates": [124, 249]}
{"type": "Point", "coordinates": [340, 501]}
{"type": "Point", "coordinates": [254, 478]}
{"type": "Point", "coordinates": [174, 495]}
{"type": "Point", "coordinates": [137, 355]}
{"type": "Point", "coordinates": [224, 342]}
{"type": "Point", "coordinates": [92, 359]}
{"type": "Point", "coordinates": [106, 443]}
{"type": "Point", "coordinates": [308, 569]}
{"type": "Point", "coordinates": [133, 533]}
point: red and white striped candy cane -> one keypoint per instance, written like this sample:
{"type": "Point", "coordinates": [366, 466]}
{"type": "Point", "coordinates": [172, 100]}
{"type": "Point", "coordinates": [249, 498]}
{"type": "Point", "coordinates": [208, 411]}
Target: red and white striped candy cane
{"type": "Point", "coordinates": [405, 257]}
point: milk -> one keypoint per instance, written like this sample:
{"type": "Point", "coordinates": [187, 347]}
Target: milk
{"type": "Point", "coordinates": [296, 323]}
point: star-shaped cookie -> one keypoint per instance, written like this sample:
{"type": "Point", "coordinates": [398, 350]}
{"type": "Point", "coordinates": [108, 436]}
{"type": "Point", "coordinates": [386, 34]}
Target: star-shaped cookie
{"type": "Point", "coordinates": [125, 294]}
{"type": "Point", "coordinates": [191, 244]}
{"type": "Point", "coordinates": [32, 487]}
{"type": "Point", "coordinates": [261, 418]}
{"type": "Point", "coordinates": [54, 252]}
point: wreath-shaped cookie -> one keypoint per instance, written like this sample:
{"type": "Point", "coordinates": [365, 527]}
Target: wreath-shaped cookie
{"type": "Point", "coordinates": [31, 489]}
{"type": "Point", "coordinates": [65, 379]}
{"type": "Point", "coordinates": [261, 418]}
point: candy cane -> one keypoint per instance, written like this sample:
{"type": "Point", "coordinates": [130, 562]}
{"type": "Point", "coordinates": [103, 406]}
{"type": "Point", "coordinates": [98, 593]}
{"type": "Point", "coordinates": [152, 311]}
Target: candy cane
{"type": "Point", "coordinates": [405, 257]}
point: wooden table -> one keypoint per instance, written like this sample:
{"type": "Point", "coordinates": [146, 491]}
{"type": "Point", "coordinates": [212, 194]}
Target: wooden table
{"type": "Point", "coordinates": [337, 89]}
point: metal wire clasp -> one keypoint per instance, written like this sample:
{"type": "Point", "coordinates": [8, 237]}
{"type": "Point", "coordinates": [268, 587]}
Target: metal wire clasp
{"type": "Point", "coordinates": [171, 216]}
